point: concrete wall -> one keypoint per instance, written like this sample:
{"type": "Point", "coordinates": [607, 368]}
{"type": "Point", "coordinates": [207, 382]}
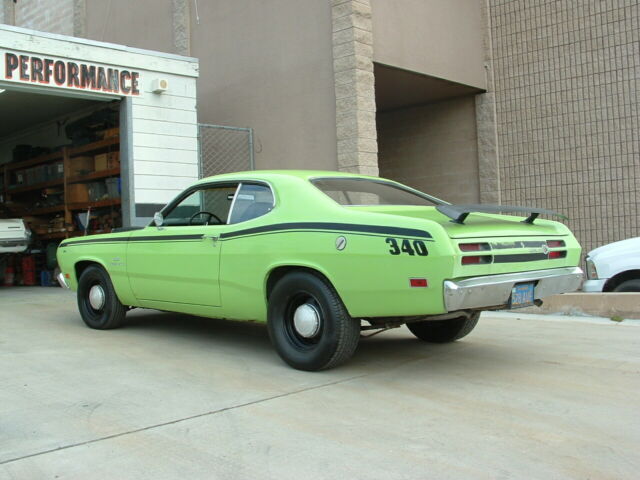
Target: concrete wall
{"type": "Point", "coordinates": [567, 103]}
{"type": "Point", "coordinates": [432, 148]}
{"type": "Point", "coordinates": [441, 38]}
{"type": "Point", "coordinates": [267, 64]}
{"type": "Point", "coordinates": [140, 24]}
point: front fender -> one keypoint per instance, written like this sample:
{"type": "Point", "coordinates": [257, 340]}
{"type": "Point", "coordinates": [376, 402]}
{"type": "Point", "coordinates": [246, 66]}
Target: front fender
{"type": "Point", "coordinates": [73, 258]}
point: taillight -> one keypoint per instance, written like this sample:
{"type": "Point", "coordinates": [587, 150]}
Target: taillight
{"type": "Point", "coordinates": [476, 259]}
{"type": "Point", "coordinates": [557, 254]}
{"type": "Point", "coordinates": [418, 282]}
{"type": "Point", "coordinates": [555, 243]}
{"type": "Point", "coordinates": [474, 247]}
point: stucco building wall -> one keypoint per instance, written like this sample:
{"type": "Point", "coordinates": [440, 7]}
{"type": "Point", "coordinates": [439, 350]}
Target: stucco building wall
{"type": "Point", "coordinates": [440, 38]}
{"type": "Point", "coordinates": [134, 23]}
{"type": "Point", "coordinates": [269, 65]}
{"type": "Point", "coordinates": [432, 148]}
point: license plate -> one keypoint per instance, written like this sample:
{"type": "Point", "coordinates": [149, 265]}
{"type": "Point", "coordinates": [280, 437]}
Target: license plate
{"type": "Point", "coordinates": [522, 295]}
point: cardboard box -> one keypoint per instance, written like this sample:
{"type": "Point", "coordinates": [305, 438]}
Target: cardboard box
{"type": "Point", "coordinates": [111, 132]}
{"type": "Point", "coordinates": [107, 161]}
{"type": "Point", "coordinates": [77, 193]}
{"type": "Point", "coordinates": [81, 166]}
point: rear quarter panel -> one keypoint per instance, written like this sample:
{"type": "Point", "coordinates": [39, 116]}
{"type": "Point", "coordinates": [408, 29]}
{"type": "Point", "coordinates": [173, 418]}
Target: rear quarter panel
{"type": "Point", "coordinates": [369, 279]}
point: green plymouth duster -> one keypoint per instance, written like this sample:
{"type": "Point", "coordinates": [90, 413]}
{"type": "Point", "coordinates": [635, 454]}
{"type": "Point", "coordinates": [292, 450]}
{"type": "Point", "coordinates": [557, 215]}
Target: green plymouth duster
{"type": "Point", "coordinates": [320, 257]}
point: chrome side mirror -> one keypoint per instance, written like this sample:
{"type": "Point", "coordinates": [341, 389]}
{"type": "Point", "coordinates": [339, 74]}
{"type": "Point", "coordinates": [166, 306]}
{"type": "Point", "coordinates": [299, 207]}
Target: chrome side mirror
{"type": "Point", "coordinates": [158, 219]}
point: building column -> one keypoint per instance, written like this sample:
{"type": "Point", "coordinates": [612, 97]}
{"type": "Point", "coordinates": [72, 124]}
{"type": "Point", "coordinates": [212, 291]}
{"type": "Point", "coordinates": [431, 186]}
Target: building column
{"type": "Point", "coordinates": [181, 27]}
{"type": "Point", "coordinates": [80, 18]}
{"type": "Point", "coordinates": [7, 12]}
{"type": "Point", "coordinates": [354, 86]}
{"type": "Point", "coordinates": [486, 124]}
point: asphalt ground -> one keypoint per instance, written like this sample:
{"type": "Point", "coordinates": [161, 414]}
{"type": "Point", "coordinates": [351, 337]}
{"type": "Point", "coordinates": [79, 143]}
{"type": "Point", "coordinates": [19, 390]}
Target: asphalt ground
{"type": "Point", "coordinates": [173, 396]}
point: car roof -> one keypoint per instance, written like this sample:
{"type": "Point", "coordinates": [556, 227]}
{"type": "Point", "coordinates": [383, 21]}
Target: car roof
{"type": "Point", "coordinates": [275, 174]}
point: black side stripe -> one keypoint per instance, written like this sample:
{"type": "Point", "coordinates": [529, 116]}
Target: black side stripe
{"type": "Point", "coordinates": [134, 239]}
{"type": "Point", "coordinates": [520, 257]}
{"type": "Point", "coordinates": [281, 227]}
{"type": "Point", "coordinates": [333, 227]}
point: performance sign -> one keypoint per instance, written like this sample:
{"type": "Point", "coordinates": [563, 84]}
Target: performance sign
{"type": "Point", "coordinates": [57, 72]}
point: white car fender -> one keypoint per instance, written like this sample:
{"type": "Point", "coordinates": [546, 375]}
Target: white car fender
{"type": "Point", "coordinates": [613, 259]}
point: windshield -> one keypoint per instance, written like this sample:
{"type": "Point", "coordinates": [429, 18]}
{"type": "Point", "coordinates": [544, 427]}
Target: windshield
{"type": "Point", "coordinates": [362, 191]}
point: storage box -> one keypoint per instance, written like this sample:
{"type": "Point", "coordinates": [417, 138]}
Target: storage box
{"type": "Point", "coordinates": [81, 166]}
{"type": "Point", "coordinates": [111, 132]}
{"type": "Point", "coordinates": [107, 161]}
{"type": "Point", "coordinates": [97, 191]}
{"type": "Point", "coordinates": [54, 171]}
{"type": "Point", "coordinates": [113, 187]}
{"type": "Point", "coordinates": [77, 193]}
{"type": "Point", "coordinates": [30, 176]}
{"type": "Point", "coordinates": [40, 174]}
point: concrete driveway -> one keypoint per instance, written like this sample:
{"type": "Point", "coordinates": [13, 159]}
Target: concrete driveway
{"type": "Point", "coordinates": [172, 396]}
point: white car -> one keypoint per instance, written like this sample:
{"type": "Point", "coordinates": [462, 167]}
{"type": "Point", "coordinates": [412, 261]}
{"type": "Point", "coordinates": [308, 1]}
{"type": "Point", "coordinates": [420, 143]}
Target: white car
{"type": "Point", "coordinates": [614, 267]}
{"type": "Point", "coordinates": [14, 235]}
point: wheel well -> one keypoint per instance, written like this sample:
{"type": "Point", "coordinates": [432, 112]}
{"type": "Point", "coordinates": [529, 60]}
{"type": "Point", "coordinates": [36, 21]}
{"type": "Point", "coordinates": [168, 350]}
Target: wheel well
{"type": "Point", "coordinates": [616, 280]}
{"type": "Point", "coordinates": [82, 266]}
{"type": "Point", "coordinates": [277, 273]}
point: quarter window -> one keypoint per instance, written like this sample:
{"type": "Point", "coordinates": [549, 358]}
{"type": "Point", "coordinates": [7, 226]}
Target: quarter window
{"type": "Point", "coordinates": [253, 201]}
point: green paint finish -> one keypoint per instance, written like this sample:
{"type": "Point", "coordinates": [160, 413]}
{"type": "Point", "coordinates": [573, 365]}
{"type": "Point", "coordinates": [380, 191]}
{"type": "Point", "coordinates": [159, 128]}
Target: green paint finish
{"type": "Point", "coordinates": [223, 270]}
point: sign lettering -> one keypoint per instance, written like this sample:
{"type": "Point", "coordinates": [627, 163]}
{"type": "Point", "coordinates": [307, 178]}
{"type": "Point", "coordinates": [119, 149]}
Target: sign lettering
{"type": "Point", "coordinates": [68, 74]}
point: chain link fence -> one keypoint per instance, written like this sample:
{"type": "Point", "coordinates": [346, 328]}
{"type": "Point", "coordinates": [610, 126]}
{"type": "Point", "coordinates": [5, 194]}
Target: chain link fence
{"type": "Point", "coordinates": [224, 149]}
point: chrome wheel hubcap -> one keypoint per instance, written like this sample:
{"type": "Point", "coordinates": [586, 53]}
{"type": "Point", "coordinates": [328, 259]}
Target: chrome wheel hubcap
{"type": "Point", "coordinates": [96, 297]}
{"type": "Point", "coordinates": [306, 320]}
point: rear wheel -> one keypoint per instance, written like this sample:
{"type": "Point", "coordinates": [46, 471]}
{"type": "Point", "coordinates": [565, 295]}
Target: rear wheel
{"type": "Point", "coordinates": [444, 331]}
{"type": "Point", "coordinates": [308, 324]}
{"type": "Point", "coordinates": [97, 301]}
{"type": "Point", "coordinates": [628, 286]}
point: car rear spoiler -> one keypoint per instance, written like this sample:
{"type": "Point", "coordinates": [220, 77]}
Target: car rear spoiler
{"type": "Point", "coordinates": [458, 213]}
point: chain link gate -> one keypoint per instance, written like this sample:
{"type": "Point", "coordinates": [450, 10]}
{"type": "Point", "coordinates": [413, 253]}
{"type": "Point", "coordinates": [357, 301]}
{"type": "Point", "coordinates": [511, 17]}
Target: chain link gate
{"type": "Point", "coordinates": [224, 149]}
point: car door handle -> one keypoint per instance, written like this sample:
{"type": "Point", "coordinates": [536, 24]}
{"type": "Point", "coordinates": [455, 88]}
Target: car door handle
{"type": "Point", "coordinates": [213, 238]}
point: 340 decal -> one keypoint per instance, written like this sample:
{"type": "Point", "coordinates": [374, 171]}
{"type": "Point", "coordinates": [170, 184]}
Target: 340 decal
{"type": "Point", "coordinates": [398, 246]}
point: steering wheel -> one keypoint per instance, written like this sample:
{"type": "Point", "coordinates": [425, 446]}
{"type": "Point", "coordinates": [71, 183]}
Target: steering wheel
{"type": "Point", "coordinates": [211, 215]}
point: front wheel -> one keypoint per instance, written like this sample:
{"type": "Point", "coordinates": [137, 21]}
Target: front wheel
{"type": "Point", "coordinates": [308, 324]}
{"type": "Point", "coordinates": [444, 331]}
{"type": "Point", "coordinates": [628, 286]}
{"type": "Point", "coordinates": [97, 301]}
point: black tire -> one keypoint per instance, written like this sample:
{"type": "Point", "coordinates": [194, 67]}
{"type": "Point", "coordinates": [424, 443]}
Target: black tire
{"type": "Point", "coordinates": [111, 314]}
{"type": "Point", "coordinates": [629, 286]}
{"type": "Point", "coordinates": [336, 336]}
{"type": "Point", "coordinates": [444, 331]}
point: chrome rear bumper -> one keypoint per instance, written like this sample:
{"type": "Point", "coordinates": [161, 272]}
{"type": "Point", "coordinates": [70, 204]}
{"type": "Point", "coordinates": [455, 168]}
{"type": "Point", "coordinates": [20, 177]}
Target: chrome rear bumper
{"type": "Point", "coordinates": [495, 290]}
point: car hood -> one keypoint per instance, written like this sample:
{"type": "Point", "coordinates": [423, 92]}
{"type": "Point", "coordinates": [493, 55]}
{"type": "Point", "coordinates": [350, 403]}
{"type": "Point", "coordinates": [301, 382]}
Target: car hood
{"type": "Point", "coordinates": [624, 248]}
{"type": "Point", "coordinates": [476, 224]}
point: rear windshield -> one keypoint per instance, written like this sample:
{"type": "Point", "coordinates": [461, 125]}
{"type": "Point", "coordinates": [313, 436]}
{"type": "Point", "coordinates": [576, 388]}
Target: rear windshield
{"type": "Point", "coordinates": [362, 191]}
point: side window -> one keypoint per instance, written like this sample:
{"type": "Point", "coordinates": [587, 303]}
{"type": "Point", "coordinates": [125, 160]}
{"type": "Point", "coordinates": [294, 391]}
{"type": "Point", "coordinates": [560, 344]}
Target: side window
{"type": "Point", "coordinates": [253, 201]}
{"type": "Point", "coordinates": [208, 206]}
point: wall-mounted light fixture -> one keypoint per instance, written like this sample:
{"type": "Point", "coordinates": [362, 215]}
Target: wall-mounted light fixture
{"type": "Point", "coordinates": [159, 85]}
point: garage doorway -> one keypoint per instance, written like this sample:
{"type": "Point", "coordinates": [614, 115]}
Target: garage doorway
{"type": "Point", "coordinates": [60, 175]}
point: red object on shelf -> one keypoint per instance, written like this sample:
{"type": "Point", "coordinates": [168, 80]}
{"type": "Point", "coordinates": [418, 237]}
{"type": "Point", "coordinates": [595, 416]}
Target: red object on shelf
{"type": "Point", "coordinates": [29, 270]}
{"type": "Point", "coordinates": [9, 277]}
